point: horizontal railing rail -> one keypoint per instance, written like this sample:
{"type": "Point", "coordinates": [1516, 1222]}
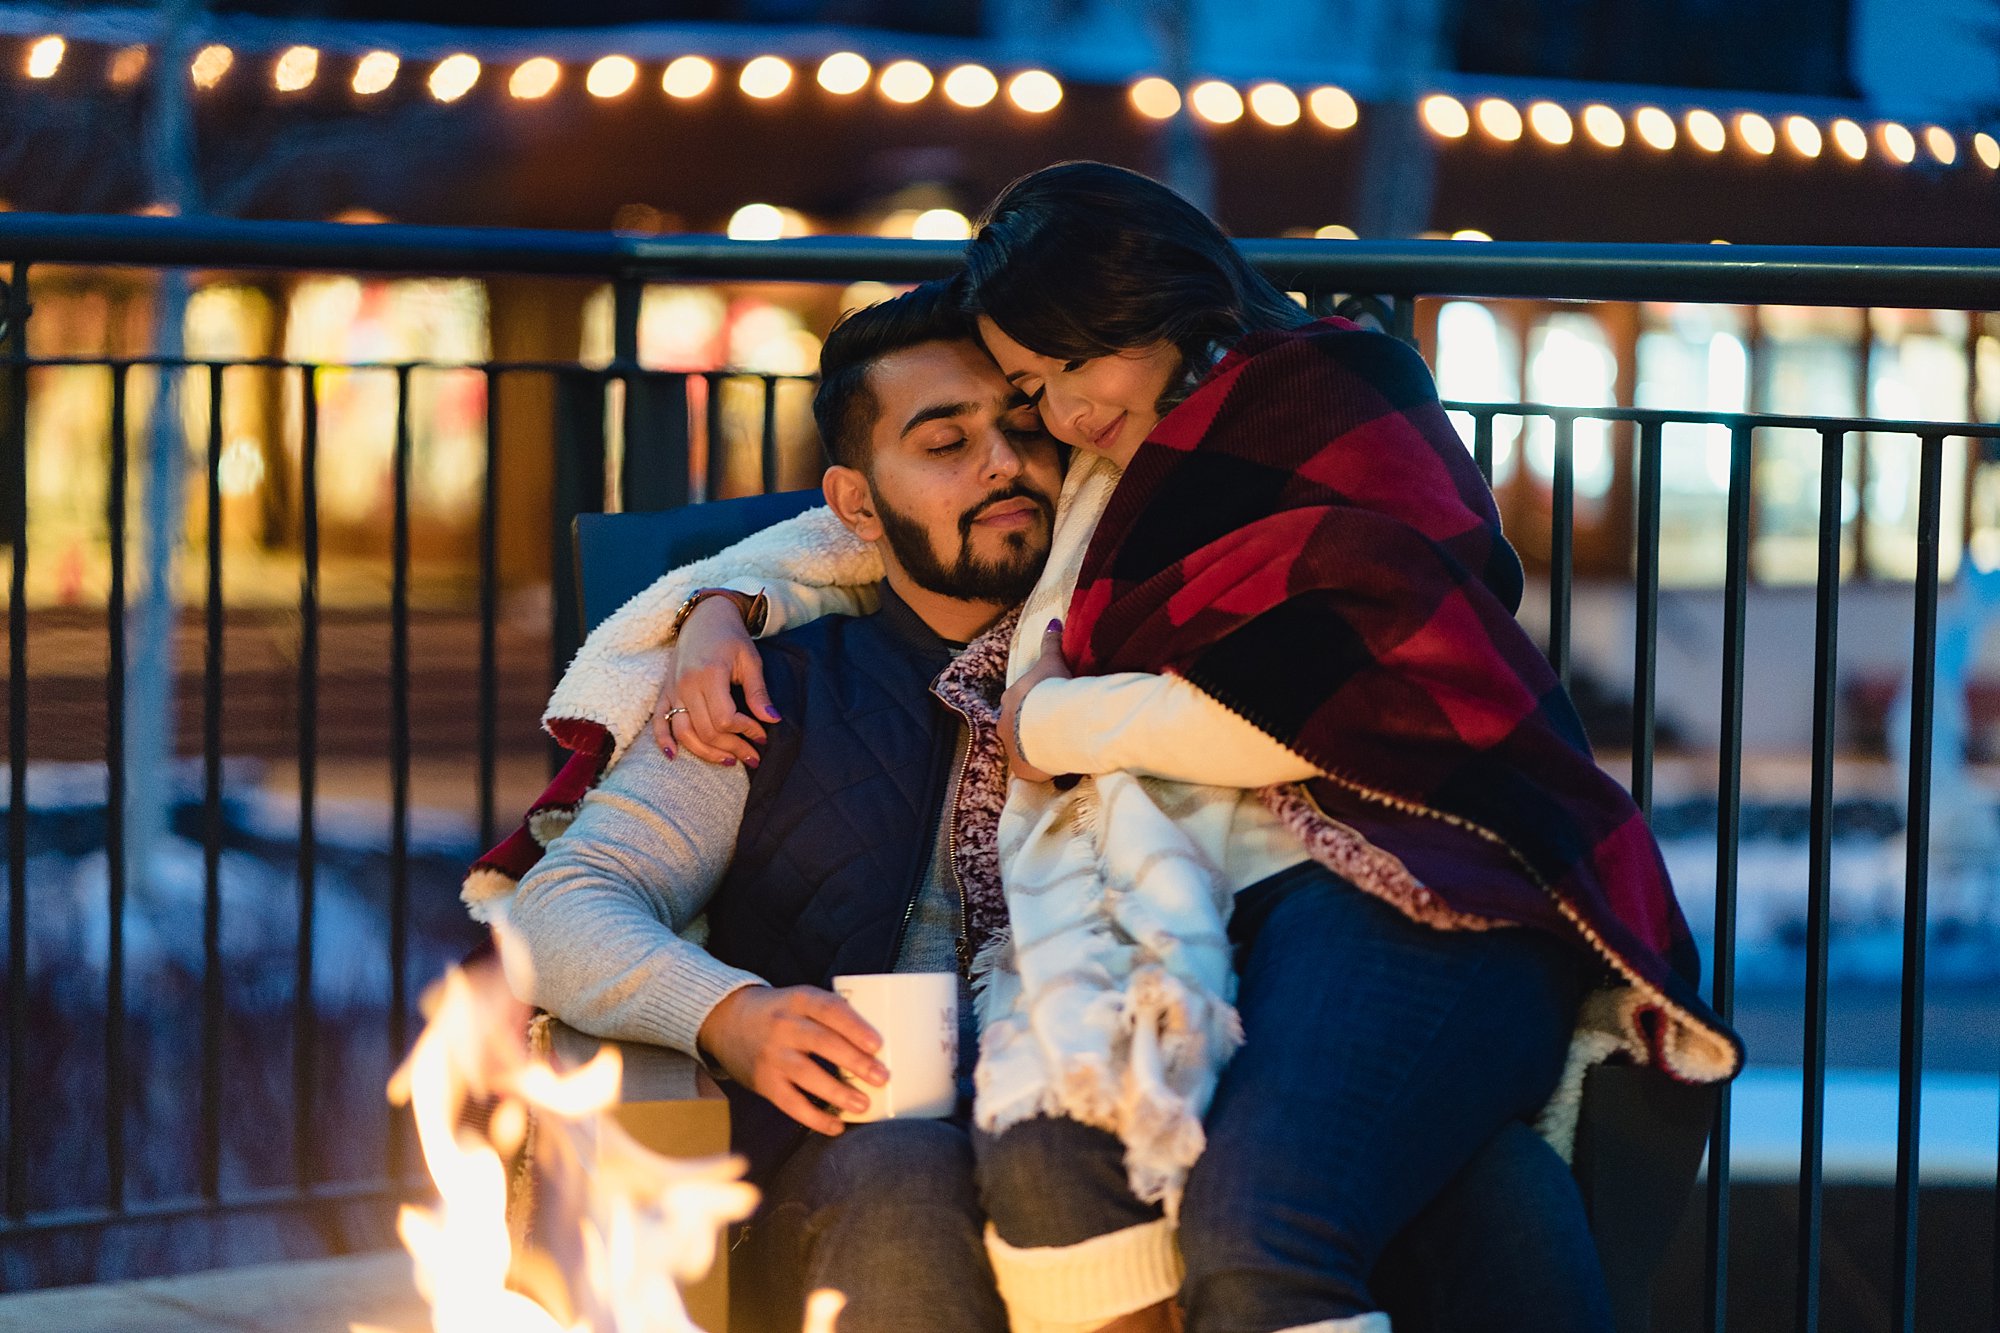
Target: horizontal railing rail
{"type": "Point", "coordinates": [660, 420]}
{"type": "Point", "coordinates": [1886, 276]}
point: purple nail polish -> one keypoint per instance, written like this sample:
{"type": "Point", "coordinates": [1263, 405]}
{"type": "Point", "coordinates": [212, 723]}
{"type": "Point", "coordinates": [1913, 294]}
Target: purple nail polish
{"type": "Point", "coordinates": [1055, 625]}
{"type": "Point", "coordinates": [728, 760]}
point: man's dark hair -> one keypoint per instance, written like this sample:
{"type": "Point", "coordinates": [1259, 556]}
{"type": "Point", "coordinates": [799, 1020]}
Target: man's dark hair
{"type": "Point", "coordinates": [845, 408]}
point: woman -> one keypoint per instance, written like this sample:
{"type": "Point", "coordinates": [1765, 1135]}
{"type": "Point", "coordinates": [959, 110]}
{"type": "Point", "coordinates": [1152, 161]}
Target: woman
{"type": "Point", "coordinates": [1323, 772]}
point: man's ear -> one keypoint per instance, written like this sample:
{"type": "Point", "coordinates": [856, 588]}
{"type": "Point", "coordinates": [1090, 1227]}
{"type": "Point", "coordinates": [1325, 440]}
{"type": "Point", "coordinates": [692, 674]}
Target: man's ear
{"type": "Point", "coordinates": [852, 500]}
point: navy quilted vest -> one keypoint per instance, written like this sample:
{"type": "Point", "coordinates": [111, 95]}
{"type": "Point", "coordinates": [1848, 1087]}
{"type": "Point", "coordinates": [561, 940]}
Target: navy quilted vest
{"type": "Point", "coordinates": [844, 807]}
{"type": "Point", "coordinates": [842, 816]}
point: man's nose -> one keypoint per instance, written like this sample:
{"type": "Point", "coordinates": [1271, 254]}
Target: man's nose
{"type": "Point", "coordinates": [1003, 460]}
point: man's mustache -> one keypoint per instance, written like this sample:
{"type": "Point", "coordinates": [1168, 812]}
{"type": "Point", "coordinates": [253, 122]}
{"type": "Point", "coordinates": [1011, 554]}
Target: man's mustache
{"type": "Point", "coordinates": [1017, 491]}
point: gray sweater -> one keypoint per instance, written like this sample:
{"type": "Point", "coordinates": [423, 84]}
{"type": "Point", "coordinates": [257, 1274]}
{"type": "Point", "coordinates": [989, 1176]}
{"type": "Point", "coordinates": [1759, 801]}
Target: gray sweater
{"type": "Point", "coordinates": [611, 916]}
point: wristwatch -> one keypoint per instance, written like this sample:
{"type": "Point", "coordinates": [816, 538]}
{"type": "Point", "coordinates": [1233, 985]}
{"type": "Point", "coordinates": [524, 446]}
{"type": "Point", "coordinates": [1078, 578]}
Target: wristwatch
{"type": "Point", "coordinates": [756, 611]}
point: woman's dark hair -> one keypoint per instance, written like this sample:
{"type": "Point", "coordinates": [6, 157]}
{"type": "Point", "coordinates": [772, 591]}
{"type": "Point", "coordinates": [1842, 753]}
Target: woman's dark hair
{"type": "Point", "coordinates": [1082, 259]}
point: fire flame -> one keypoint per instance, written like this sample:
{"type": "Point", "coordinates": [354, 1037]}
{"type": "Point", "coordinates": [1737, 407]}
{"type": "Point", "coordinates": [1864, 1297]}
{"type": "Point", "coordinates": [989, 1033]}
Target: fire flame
{"type": "Point", "coordinates": [618, 1226]}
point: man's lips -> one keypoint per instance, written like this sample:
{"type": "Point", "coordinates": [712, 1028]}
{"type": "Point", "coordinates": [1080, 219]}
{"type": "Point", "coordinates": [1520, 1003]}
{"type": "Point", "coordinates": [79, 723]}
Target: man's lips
{"type": "Point", "coordinates": [1017, 513]}
{"type": "Point", "coordinates": [1110, 431]}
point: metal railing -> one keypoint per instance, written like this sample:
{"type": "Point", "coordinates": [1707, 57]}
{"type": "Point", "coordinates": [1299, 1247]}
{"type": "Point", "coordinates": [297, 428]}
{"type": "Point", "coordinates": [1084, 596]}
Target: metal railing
{"type": "Point", "coordinates": [1381, 280]}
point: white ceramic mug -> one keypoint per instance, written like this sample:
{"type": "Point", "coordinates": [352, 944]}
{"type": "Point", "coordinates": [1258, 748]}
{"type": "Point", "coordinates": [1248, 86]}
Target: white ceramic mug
{"type": "Point", "coordinates": [916, 1014]}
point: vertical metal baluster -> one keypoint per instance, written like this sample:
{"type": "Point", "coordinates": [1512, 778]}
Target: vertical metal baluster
{"type": "Point", "coordinates": [627, 295]}
{"type": "Point", "coordinates": [1646, 617]}
{"type": "Point", "coordinates": [1728, 828]}
{"type": "Point", "coordinates": [717, 450]}
{"type": "Point", "coordinates": [1562, 543]}
{"type": "Point", "coordinates": [1819, 877]}
{"type": "Point", "coordinates": [117, 1076]}
{"type": "Point", "coordinates": [768, 455]}
{"type": "Point", "coordinates": [1916, 893]}
{"type": "Point", "coordinates": [399, 760]}
{"type": "Point", "coordinates": [1482, 444]}
{"type": "Point", "coordinates": [489, 612]}
{"type": "Point", "coordinates": [213, 1009]}
{"type": "Point", "coordinates": [16, 519]}
{"type": "Point", "coordinates": [305, 1013]}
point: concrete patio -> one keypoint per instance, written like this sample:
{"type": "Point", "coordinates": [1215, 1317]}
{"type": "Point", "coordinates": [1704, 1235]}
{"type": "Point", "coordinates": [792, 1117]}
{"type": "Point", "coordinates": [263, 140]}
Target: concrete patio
{"type": "Point", "coordinates": [372, 1290]}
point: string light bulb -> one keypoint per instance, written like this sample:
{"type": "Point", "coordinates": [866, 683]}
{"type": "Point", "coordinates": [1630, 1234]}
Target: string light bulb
{"type": "Point", "coordinates": [1156, 99]}
{"type": "Point", "coordinates": [45, 57]}
{"type": "Point", "coordinates": [1275, 104]}
{"type": "Point", "coordinates": [1804, 136]}
{"type": "Point", "coordinates": [906, 82]}
{"type": "Point", "coordinates": [1756, 134]}
{"type": "Point", "coordinates": [454, 77]}
{"type": "Point", "coordinates": [1334, 107]}
{"type": "Point", "coordinates": [375, 72]}
{"type": "Point", "coordinates": [1988, 149]}
{"type": "Point", "coordinates": [1216, 102]}
{"type": "Point", "coordinates": [1655, 128]}
{"type": "Point", "coordinates": [1707, 131]}
{"type": "Point", "coordinates": [1850, 139]}
{"type": "Point", "coordinates": [688, 76]}
{"type": "Point", "coordinates": [764, 78]}
{"type": "Point", "coordinates": [1604, 125]}
{"type": "Point", "coordinates": [1445, 116]}
{"type": "Point", "coordinates": [297, 67]}
{"type": "Point", "coordinates": [1335, 231]}
{"type": "Point", "coordinates": [1552, 123]}
{"type": "Point", "coordinates": [1035, 91]}
{"type": "Point", "coordinates": [844, 73]}
{"type": "Point", "coordinates": [611, 76]}
{"type": "Point", "coordinates": [971, 86]}
{"type": "Point", "coordinates": [1499, 118]}
{"type": "Point", "coordinates": [210, 64]}
{"type": "Point", "coordinates": [534, 79]}
{"type": "Point", "coordinates": [1899, 143]}
{"type": "Point", "coordinates": [1942, 145]}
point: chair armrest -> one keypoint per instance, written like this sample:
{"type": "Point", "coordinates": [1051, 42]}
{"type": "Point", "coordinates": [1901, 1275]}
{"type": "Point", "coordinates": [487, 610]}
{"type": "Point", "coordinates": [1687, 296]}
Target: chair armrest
{"type": "Point", "coordinates": [652, 1073]}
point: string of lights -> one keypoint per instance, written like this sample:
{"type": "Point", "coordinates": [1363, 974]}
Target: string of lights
{"type": "Point", "coordinates": [1037, 92]}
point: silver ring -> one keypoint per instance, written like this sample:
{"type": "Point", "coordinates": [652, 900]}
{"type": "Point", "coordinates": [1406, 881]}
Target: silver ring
{"type": "Point", "coordinates": [672, 713]}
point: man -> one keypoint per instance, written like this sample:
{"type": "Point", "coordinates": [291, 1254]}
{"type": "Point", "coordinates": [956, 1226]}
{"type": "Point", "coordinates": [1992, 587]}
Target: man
{"type": "Point", "coordinates": [831, 856]}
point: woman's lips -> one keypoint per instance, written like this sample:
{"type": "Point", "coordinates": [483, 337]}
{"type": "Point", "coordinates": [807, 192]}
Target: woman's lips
{"type": "Point", "coordinates": [1102, 439]}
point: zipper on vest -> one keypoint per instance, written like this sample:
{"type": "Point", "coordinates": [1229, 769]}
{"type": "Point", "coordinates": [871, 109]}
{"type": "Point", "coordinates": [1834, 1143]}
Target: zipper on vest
{"type": "Point", "coordinates": [943, 811]}
{"type": "Point", "coordinates": [963, 946]}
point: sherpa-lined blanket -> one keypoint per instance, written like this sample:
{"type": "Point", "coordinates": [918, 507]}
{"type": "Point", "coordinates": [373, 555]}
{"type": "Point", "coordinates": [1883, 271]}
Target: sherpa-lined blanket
{"type": "Point", "coordinates": [1306, 539]}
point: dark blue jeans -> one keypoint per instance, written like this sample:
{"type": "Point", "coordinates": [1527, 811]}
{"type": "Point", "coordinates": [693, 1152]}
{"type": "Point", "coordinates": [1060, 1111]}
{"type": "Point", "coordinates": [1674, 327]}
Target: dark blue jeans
{"type": "Point", "coordinates": [887, 1214]}
{"type": "Point", "coordinates": [1380, 1057]}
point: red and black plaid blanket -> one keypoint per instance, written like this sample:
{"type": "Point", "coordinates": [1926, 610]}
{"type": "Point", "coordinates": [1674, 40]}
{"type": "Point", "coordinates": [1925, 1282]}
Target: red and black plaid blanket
{"type": "Point", "coordinates": [1306, 539]}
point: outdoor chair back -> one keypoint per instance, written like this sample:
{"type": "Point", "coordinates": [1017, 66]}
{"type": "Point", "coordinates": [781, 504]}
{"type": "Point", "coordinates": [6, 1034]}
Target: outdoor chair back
{"type": "Point", "coordinates": [1640, 1135]}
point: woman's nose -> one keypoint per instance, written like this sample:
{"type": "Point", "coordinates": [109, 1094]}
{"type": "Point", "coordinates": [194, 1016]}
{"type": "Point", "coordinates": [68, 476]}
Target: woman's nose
{"type": "Point", "coordinates": [1064, 414]}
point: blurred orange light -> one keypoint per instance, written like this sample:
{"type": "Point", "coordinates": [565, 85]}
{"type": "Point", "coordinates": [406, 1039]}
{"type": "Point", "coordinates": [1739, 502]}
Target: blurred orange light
{"type": "Point", "coordinates": [1498, 118]}
{"type": "Point", "coordinates": [1334, 108]}
{"type": "Point", "coordinates": [1035, 91]}
{"type": "Point", "coordinates": [374, 72]}
{"type": "Point", "coordinates": [611, 76]}
{"type": "Point", "coordinates": [1805, 137]}
{"type": "Point", "coordinates": [1899, 143]}
{"type": "Point", "coordinates": [764, 78]}
{"type": "Point", "coordinates": [1275, 104]}
{"type": "Point", "coordinates": [1707, 130]}
{"type": "Point", "coordinates": [1604, 125]}
{"type": "Point", "coordinates": [1942, 145]}
{"type": "Point", "coordinates": [1655, 127]}
{"type": "Point", "coordinates": [1216, 102]}
{"type": "Point", "coordinates": [971, 86]}
{"type": "Point", "coordinates": [534, 79]}
{"type": "Point", "coordinates": [1445, 116]}
{"type": "Point", "coordinates": [688, 76]}
{"type": "Point", "coordinates": [1156, 99]}
{"type": "Point", "coordinates": [1756, 133]}
{"type": "Point", "coordinates": [1552, 123]}
{"type": "Point", "coordinates": [1850, 139]}
{"type": "Point", "coordinates": [844, 72]}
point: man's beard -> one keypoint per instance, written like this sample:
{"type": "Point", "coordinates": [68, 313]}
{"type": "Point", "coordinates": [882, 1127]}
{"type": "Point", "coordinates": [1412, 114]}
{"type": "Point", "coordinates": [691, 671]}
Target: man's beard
{"type": "Point", "coordinates": [1003, 582]}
